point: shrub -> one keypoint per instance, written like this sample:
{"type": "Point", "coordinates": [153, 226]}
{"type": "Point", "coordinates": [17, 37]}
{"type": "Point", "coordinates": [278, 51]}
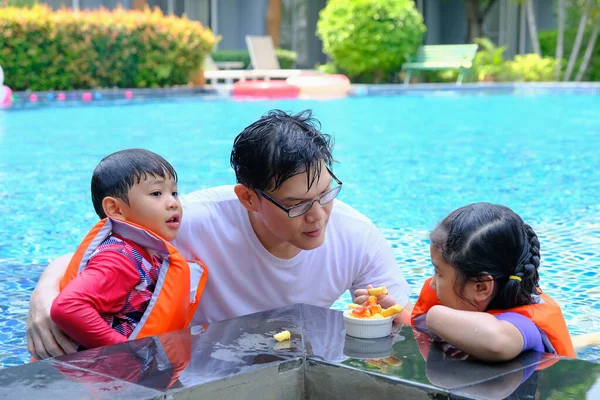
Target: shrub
{"type": "Point", "coordinates": [370, 39]}
{"type": "Point", "coordinates": [328, 68]}
{"type": "Point", "coordinates": [41, 49]}
{"type": "Point", "coordinates": [548, 46]}
{"type": "Point", "coordinates": [489, 61]}
{"type": "Point", "coordinates": [18, 3]}
{"type": "Point", "coordinates": [530, 68]}
{"type": "Point", "coordinates": [446, 76]}
{"type": "Point", "coordinates": [287, 58]}
{"type": "Point", "coordinates": [437, 76]}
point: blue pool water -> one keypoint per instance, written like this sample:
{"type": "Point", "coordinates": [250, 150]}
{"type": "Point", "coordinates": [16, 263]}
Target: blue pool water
{"type": "Point", "coordinates": [406, 161]}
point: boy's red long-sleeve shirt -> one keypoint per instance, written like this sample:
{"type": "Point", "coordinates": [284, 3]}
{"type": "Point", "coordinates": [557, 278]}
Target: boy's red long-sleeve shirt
{"type": "Point", "coordinates": [109, 287]}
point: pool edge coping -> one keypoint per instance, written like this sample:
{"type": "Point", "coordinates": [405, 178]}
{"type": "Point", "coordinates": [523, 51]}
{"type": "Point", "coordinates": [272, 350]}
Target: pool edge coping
{"type": "Point", "coordinates": [26, 99]}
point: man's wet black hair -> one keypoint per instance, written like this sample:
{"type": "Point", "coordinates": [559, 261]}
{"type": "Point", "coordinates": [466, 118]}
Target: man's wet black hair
{"type": "Point", "coordinates": [278, 146]}
{"type": "Point", "coordinates": [118, 172]}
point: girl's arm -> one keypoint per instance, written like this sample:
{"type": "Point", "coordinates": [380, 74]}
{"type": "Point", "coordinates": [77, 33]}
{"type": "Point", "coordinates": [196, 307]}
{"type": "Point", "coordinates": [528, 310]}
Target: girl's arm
{"type": "Point", "coordinates": [101, 288]}
{"type": "Point", "coordinates": [476, 333]}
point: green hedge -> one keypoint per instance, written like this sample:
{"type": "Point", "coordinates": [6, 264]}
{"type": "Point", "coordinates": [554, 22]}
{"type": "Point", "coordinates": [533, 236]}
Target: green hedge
{"type": "Point", "coordinates": [370, 39]}
{"type": "Point", "coordinates": [287, 59]}
{"type": "Point", "coordinates": [548, 47]}
{"type": "Point", "coordinates": [41, 49]}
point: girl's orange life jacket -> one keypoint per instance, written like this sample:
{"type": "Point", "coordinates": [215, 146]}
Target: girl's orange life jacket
{"type": "Point", "coordinates": [546, 315]}
{"type": "Point", "coordinates": [179, 286]}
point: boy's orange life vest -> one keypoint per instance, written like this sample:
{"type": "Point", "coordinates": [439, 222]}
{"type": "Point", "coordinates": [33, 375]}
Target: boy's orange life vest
{"type": "Point", "coordinates": [179, 285]}
{"type": "Point", "coordinates": [546, 315]}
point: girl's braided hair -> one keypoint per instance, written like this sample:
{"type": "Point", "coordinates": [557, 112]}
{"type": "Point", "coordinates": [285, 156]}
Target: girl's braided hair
{"type": "Point", "coordinates": [488, 239]}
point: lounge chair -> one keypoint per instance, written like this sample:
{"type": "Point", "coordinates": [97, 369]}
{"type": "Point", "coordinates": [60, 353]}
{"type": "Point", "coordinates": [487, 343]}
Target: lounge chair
{"type": "Point", "coordinates": [440, 57]}
{"type": "Point", "coordinates": [264, 59]}
{"type": "Point", "coordinates": [212, 73]}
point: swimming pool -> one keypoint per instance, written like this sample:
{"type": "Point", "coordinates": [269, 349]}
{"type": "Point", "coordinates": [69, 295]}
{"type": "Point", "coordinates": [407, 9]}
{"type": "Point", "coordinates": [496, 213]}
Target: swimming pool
{"type": "Point", "coordinates": [405, 161]}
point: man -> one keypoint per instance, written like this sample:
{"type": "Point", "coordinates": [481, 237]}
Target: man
{"type": "Point", "coordinates": [272, 240]}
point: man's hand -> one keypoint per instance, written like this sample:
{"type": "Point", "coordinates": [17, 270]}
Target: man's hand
{"type": "Point", "coordinates": [361, 296]}
{"type": "Point", "coordinates": [44, 339]}
{"type": "Point", "coordinates": [386, 301]}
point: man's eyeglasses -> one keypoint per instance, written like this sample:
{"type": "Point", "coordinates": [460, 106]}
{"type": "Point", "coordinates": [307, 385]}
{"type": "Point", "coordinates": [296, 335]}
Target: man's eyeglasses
{"type": "Point", "coordinates": [304, 207]}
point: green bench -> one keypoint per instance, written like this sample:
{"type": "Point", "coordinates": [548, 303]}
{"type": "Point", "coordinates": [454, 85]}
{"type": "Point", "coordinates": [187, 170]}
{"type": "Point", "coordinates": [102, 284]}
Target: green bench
{"type": "Point", "coordinates": [437, 57]}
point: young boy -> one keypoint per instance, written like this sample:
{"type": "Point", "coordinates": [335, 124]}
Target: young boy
{"type": "Point", "coordinates": [125, 280]}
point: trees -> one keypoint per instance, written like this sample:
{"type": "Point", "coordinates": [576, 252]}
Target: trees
{"type": "Point", "coordinates": [273, 20]}
{"type": "Point", "coordinates": [477, 11]}
{"type": "Point", "coordinates": [578, 27]}
{"type": "Point", "coordinates": [590, 19]}
{"type": "Point", "coordinates": [578, 40]}
{"type": "Point", "coordinates": [532, 27]}
{"type": "Point", "coordinates": [588, 51]}
{"type": "Point", "coordinates": [139, 4]}
{"type": "Point", "coordinates": [560, 40]}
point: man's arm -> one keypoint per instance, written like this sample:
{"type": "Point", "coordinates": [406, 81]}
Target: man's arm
{"type": "Point", "coordinates": [44, 339]}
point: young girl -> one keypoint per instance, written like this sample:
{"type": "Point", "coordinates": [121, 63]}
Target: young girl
{"type": "Point", "coordinates": [484, 297]}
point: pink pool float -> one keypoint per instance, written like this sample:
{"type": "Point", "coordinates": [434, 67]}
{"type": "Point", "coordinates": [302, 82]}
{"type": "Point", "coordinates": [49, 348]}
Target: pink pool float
{"type": "Point", "coordinates": [321, 85]}
{"type": "Point", "coordinates": [5, 92]}
{"type": "Point", "coordinates": [273, 89]}
{"type": "Point", "coordinates": [5, 96]}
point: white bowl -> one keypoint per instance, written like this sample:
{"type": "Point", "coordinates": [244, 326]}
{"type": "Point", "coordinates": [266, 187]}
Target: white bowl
{"type": "Point", "coordinates": [365, 328]}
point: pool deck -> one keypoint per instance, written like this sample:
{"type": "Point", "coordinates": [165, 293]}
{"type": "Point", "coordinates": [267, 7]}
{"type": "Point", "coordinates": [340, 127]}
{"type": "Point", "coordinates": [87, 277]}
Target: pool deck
{"type": "Point", "coordinates": [239, 358]}
{"type": "Point", "coordinates": [32, 99]}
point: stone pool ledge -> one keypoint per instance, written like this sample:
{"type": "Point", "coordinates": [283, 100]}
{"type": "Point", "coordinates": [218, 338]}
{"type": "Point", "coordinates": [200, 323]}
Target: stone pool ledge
{"type": "Point", "coordinates": [239, 359]}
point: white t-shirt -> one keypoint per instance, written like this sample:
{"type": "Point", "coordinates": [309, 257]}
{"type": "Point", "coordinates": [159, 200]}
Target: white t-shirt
{"type": "Point", "coordinates": [243, 277]}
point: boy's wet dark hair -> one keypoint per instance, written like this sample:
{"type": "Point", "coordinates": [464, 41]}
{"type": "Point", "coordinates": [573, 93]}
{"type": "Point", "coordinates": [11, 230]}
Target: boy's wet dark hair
{"type": "Point", "coordinates": [118, 172]}
{"type": "Point", "coordinates": [484, 238]}
{"type": "Point", "coordinates": [278, 146]}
